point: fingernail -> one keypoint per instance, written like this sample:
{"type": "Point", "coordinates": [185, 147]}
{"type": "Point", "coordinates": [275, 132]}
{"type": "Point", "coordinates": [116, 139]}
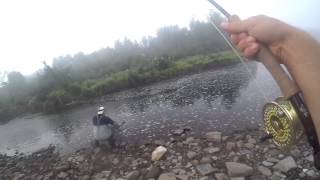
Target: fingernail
{"type": "Point", "coordinates": [224, 24]}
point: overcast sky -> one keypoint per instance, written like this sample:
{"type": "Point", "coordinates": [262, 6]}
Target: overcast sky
{"type": "Point", "coordinates": [36, 30]}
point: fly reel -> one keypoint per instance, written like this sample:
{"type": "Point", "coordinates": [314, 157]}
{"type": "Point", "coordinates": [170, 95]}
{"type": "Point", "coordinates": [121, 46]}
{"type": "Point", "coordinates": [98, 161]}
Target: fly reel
{"type": "Point", "coordinates": [282, 123]}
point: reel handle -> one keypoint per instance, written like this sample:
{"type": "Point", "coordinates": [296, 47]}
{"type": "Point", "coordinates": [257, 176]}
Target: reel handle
{"type": "Point", "coordinates": [287, 86]}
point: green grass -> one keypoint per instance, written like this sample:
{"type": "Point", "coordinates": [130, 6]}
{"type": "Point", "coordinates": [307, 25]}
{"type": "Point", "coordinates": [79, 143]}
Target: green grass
{"type": "Point", "coordinates": [138, 77]}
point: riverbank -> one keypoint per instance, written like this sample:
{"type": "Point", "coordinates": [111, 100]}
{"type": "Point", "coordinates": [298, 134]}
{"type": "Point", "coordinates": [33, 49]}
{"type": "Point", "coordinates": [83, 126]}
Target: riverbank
{"type": "Point", "coordinates": [213, 155]}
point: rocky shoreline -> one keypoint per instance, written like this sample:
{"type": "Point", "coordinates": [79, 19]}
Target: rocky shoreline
{"type": "Point", "coordinates": [213, 155]}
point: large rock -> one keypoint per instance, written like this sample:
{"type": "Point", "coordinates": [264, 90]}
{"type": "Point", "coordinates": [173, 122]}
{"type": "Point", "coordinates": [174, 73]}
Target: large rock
{"type": "Point", "coordinates": [134, 175]}
{"type": "Point", "coordinates": [205, 169]}
{"type": "Point", "coordinates": [285, 165]}
{"type": "Point", "coordinates": [238, 169]}
{"type": "Point", "coordinates": [167, 176]}
{"type": "Point", "coordinates": [214, 136]}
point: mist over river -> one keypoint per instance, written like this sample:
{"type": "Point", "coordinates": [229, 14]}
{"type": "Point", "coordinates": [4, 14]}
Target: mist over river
{"type": "Point", "coordinates": [226, 99]}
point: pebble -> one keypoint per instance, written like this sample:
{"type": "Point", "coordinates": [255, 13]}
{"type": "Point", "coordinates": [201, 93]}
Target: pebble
{"type": "Point", "coordinates": [237, 178]}
{"type": "Point", "coordinates": [63, 175]}
{"type": "Point", "coordinates": [249, 145]}
{"type": "Point", "coordinates": [191, 154]}
{"type": "Point", "coordinates": [211, 150]}
{"type": "Point", "coordinates": [204, 178]}
{"type": "Point", "coordinates": [267, 163]}
{"type": "Point", "coordinates": [167, 176]}
{"type": "Point", "coordinates": [252, 141]}
{"type": "Point", "coordinates": [273, 160]}
{"type": "Point", "coordinates": [310, 158]}
{"type": "Point", "coordinates": [206, 160]}
{"type": "Point", "coordinates": [134, 175]}
{"type": "Point", "coordinates": [230, 146]}
{"type": "Point", "coordinates": [205, 169]}
{"type": "Point", "coordinates": [221, 176]}
{"type": "Point", "coordinates": [153, 172]}
{"type": "Point", "coordinates": [214, 136]}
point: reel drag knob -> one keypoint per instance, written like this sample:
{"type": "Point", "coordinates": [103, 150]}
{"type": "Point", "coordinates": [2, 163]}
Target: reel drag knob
{"type": "Point", "coordinates": [282, 123]}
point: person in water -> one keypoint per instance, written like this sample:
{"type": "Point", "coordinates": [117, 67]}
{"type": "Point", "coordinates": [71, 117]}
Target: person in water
{"type": "Point", "coordinates": [103, 128]}
{"type": "Point", "coordinates": [294, 48]}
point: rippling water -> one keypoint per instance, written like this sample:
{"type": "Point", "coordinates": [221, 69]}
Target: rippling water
{"type": "Point", "coordinates": [226, 99]}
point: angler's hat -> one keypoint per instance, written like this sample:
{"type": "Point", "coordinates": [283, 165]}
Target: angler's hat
{"type": "Point", "coordinates": [100, 110]}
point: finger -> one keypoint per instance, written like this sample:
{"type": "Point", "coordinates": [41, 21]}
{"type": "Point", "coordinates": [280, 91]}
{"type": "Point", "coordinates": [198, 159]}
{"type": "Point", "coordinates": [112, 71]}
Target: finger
{"type": "Point", "coordinates": [244, 43]}
{"type": "Point", "coordinates": [237, 26]}
{"type": "Point", "coordinates": [251, 50]}
{"type": "Point", "coordinates": [251, 39]}
{"type": "Point", "coordinates": [234, 38]}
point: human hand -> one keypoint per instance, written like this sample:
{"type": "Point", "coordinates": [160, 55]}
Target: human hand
{"type": "Point", "coordinates": [248, 34]}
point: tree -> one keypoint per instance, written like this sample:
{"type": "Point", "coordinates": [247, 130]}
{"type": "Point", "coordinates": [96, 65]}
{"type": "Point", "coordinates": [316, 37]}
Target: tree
{"type": "Point", "coordinates": [16, 81]}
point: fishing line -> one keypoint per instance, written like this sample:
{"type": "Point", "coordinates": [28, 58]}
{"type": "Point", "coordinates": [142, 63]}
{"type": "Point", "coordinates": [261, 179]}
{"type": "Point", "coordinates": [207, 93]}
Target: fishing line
{"type": "Point", "coordinates": [242, 60]}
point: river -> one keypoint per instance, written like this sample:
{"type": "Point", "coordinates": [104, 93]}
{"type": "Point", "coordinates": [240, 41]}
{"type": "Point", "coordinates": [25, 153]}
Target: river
{"type": "Point", "coordinates": [226, 99]}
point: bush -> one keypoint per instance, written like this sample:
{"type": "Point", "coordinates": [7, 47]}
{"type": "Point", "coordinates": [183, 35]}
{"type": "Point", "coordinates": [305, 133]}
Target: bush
{"type": "Point", "coordinates": [56, 100]}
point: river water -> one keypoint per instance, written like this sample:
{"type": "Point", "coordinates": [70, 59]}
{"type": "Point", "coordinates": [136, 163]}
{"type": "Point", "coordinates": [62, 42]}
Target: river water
{"type": "Point", "coordinates": [226, 99]}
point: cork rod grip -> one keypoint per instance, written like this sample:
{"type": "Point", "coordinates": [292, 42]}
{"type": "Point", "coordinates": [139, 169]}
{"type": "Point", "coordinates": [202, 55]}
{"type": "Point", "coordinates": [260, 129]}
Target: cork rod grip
{"type": "Point", "coordinates": [287, 86]}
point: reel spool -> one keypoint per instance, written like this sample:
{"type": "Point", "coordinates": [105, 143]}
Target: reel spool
{"type": "Point", "coordinates": [282, 123]}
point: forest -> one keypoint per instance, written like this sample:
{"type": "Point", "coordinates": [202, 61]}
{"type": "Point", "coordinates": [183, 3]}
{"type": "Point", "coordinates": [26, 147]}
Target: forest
{"type": "Point", "coordinates": [173, 51]}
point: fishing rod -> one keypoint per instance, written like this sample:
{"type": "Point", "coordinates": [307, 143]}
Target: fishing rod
{"type": "Point", "coordinates": [287, 118]}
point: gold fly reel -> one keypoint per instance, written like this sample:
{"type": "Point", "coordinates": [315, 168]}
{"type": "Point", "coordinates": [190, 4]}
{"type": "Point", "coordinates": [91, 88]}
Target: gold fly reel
{"type": "Point", "coordinates": [282, 123]}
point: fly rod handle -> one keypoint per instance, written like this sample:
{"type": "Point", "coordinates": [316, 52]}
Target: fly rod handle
{"type": "Point", "coordinates": [287, 86]}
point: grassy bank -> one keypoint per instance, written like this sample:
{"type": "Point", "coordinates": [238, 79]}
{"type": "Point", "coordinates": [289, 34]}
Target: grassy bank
{"type": "Point", "coordinates": [154, 72]}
